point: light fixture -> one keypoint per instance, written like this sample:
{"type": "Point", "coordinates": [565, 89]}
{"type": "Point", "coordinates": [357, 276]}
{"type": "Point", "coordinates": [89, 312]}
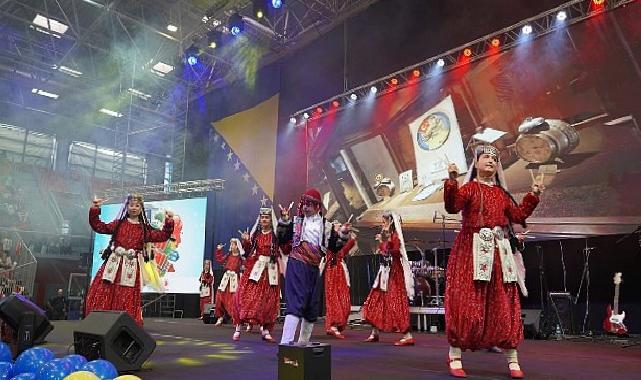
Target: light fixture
{"type": "Point", "coordinates": [277, 4]}
{"type": "Point", "coordinates": [561, 16]}
{"type": "Point", "coordinates": [440, 62]}
{"type": "Point", "coordinates": [162, 68]}
{"type": "Point", "coordinates": [306, 115]}
{"type": "Point", "coordinates": [373, 89]}
{"type": "Point", "coordinates": [527, 29]}
{"type": "Point", "coordinates": [292, 120]}
{"type": "Point", "coordinates": [172, 28]}
{"type": "Point", "coordinates": [495, 42]}
{"type": "Point", "coordinates": [138, 93]}
{"type": "Point", "coordinates": [467, 52]}
{"type": "Point", "coordinates": [353, 97]}
{"type": "Point", "coordinates": [110, 112]}
{"type": "Point", "coordinates": [50, 24]}
{"type": "Point", "coordinates": [236, 24]}
{"type": "Point", "coordinates": [44, 93]}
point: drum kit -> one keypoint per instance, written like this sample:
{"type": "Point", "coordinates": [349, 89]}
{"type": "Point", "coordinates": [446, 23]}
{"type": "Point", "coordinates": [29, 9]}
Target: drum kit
{"type": "Point", "coordinates": [429, 276]}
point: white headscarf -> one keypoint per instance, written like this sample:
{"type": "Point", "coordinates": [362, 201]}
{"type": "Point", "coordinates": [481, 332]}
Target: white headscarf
{"type": "Point", "coordinates": [265, 210]}
{"type": "Point", "coordinates": [241, 250]}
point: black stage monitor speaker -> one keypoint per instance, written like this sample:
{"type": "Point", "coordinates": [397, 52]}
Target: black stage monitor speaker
{"type": "Point", "coordinates": [208, 314]}
{"type": "Point", "coordinates": [26, 319]}
{"type": "Point", "coordinates": [561, 312]}
{"type": "Point", "coordinates": [531, 323]}
{"type": "Point", "coordinates": [113, 336]}
{"type": "Point", "coordinates": [305, 362]}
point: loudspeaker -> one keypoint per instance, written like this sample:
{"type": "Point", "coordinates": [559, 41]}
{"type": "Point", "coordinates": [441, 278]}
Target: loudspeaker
{"type": "Point", "coordinates": [531, 323]}
{"type": "Point", "coordinates": [561, 312]}
{"type": "Point", "coordinates": [209, 313]}
{"type": "Point", "coordinates": [26, 319]}
{"type": "Point", "coordinates": [113, 336]}
{"type": "Point", "coordinates": [305, 362]}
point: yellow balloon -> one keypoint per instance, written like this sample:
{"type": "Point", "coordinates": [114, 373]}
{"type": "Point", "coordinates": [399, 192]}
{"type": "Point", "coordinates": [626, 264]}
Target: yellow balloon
{"type": "Point", "coordinates": [82, 375]}
{"type": "Point", "coordinates": [127, 377]}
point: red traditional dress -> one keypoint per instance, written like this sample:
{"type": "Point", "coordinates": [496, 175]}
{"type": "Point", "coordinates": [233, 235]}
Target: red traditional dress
{"type": "Point", "coordinates": [229, 284]}
{"type": "Point", "coordinates": [206, 289]}
{"type": "Point", "coordinates": [337, 298]}
{"type": "Point", "coordinates": [388, 310]}
{"type": "Point", "coordinates": [257, 300]}
{"type": "Point", "coordinates": [118, 291]}
{"type": "Point", "coordinates": [484, 312]}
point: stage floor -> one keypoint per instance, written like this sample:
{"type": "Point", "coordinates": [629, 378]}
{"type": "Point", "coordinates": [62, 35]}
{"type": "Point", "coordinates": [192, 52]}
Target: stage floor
{"type": "Point", "coordinates": [188, 349]}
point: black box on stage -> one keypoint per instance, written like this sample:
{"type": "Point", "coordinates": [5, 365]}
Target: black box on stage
{"type": "Point", "coordinates": [208, 313]}
{"type": "Point", "coordinates": [531, 323]}
{"type": "Point", "coordinates": [113, 336]}
{"type": "Point", "coordinates": [561, 312]}
{"type": "Point", "coordinates": [305, 362]}
{"type": "Point", "coordinates": [26, 319]}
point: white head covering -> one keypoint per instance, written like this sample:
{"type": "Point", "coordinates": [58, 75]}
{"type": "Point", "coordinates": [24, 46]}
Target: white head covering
{"type": "Point", "coordinates": [407, 272]}
{"type": "Point", "coordinates": [208, 269]}
{"type": "Point", "coordinates": [241, 250]}
{"type": "Point", "coordinates": [264, 211]}
{"type": "Point", "coordinates": [487, 149]}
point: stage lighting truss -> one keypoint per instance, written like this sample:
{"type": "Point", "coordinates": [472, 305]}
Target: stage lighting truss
{"type": "Point", "coordinates": [174, 190]}
{"type": "Point", "coordinates": [542, 24]}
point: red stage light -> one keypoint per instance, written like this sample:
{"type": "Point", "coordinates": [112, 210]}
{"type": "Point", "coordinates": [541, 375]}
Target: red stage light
{"type": "Point", "coordinates": [416, 73]}
{"type": "Point", "coordinates": [467, 52]}
{"type": "Point", "coordinates": [336, 104]}
{"type": "Point", "coordinates": [394, 81]}
{"type": "Point", "coordinates": [319, 110]}
{"type": "Point", "coordinates": [598, 2]}
{"type": "Point", "coordinates": [495, 42]}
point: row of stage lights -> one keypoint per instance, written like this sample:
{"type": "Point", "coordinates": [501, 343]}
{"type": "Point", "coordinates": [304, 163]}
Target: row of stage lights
{"type": "Point", "coordinates": [480, 48]}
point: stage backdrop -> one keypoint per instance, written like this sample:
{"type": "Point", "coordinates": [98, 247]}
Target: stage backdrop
{"type": "Point", "coordinates": [581, 86]}
{"type": "Point", "coordinates": [179, 260]}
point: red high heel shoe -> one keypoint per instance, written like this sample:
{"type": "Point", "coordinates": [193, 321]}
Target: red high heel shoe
{"type": "Point", "coordinates": [336, 334]}
{"type": "Point", "coordinates": [516, 373]}
{"type": "Point", "coordinates": [404, 342]}
{"type": "Point", "coordinates": [372, 338]}
{"type": "Point", "coordinates": [458, 372]}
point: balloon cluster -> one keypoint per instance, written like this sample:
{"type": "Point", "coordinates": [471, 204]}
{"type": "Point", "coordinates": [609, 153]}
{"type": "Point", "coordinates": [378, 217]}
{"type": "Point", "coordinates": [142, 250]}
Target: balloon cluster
{"type": "Point", "coordinates": [40, 363]}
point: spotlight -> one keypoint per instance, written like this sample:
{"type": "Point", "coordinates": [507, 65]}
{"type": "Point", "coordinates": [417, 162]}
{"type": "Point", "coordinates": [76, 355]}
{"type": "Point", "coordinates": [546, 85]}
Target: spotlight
{"type": "Point", "coordinates": [416, 73]}
{"type": "Point", "coordinates": [236, 24]}
{"type": "Point", "coordinates": [467, 52]}
{"type": "Point", "coordinates": [260, 8]}
{"type": "Point", "coordinates": [394, 81]}
{"type": "Point", "coordinates": [172, 28]}
{"type": "Point", "coordinates": [353, 97]}
{"type": "Point", "coordinates": [561, 16]}
{"type": "Point", "coordinates": [214, 39]}
{"type": "Point", "coordinates": [373, 89]}
{"type": "Point", "coordinates": [598, 2]}
{"type": "Point", "coordinates": [336, 104]}
{"type": "Point", "coordinates": [306, 115]}
{"type": "Point", "coordinates": [527, 29]}
{"type": "Point", "coordinates": [495, 42]}
{"type": "Point", "coordinates": [192, 54]}
{"type": "Point", "coordinates": [440, 62]}
{"type": "Point", "coordinates": [319, 110]}
{"type": "Point", "coordinates": [292, 120]}
{"type": "Point", "coordinates": [277, 4]}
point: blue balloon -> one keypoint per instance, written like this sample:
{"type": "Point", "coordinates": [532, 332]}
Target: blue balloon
{"type": "Point", "coordinates": [5, 353]}
{"type": "Point", "coordinates": [25, 376]}
{"type": "Point", "coordinates": [32, 359]}
{"type": "Point", "coordinates": [102, 368]}
{"type": "Point", "coordinates": [6, 370]}
{"type": "Point", "coordinates": [76, 361]}
{"type": "Point", "coordinates": [57, 369]}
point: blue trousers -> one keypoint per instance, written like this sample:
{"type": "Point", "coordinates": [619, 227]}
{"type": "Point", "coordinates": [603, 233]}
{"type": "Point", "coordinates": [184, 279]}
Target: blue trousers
{"type": "Point", "coordinates": [302, 290]}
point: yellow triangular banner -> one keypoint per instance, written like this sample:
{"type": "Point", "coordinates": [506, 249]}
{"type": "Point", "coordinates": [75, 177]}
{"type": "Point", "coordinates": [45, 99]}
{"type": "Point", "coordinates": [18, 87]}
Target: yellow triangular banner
{"type": "Point", "coordinates": [251, 134]}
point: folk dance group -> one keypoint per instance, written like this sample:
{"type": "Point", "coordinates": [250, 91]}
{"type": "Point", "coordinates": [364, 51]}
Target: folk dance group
{"type": "Point", "coordinates": [482, 307]}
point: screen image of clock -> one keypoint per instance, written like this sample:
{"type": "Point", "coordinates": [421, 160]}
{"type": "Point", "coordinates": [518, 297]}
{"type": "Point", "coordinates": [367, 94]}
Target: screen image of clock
{"type": "Point", "coordinates": [433, 131]}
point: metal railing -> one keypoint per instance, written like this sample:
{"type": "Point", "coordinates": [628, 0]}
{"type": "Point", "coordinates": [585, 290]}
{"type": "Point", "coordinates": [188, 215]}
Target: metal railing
{"type": "Point", "coordinates": [21, 274]}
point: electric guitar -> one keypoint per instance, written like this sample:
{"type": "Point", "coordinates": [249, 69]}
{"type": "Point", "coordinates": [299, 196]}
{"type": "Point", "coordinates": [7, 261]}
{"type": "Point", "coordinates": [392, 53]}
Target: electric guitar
{"type": "Point", "coordinates": [613, 322]}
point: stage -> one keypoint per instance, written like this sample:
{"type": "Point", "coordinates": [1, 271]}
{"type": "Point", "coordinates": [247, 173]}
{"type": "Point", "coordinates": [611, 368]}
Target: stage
{"type": "Point", "coordinates": [188, 349]}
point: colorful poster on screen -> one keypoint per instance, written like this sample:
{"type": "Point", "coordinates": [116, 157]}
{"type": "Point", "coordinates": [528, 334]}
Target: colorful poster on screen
{"type": "Point", "coordinates": [179, 260]}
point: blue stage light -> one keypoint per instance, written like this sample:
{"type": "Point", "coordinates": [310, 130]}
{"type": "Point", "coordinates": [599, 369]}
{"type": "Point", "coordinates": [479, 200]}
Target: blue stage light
{"type": "Point", "coordinates": [277, 3]}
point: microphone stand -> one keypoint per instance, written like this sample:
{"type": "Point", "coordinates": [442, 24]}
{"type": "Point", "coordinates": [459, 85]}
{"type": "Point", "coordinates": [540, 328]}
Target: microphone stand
{"type": "Point", "coordinates": [585, 276]}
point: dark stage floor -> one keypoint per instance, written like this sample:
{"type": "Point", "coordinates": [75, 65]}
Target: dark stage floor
{"type": "Point", "coordinates": [188, 349]}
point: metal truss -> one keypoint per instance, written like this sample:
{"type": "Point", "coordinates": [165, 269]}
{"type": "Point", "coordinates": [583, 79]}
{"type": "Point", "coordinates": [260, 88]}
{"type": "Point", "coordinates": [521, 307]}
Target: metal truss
{"type": "Point", "coordinates": [186, 189]}
{"type": "Point", "coordinates": [542, 24]}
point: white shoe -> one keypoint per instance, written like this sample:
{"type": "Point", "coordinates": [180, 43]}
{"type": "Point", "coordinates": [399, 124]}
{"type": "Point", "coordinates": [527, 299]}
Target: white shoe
{"type": "Point", "coordinates": [236, 336]}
